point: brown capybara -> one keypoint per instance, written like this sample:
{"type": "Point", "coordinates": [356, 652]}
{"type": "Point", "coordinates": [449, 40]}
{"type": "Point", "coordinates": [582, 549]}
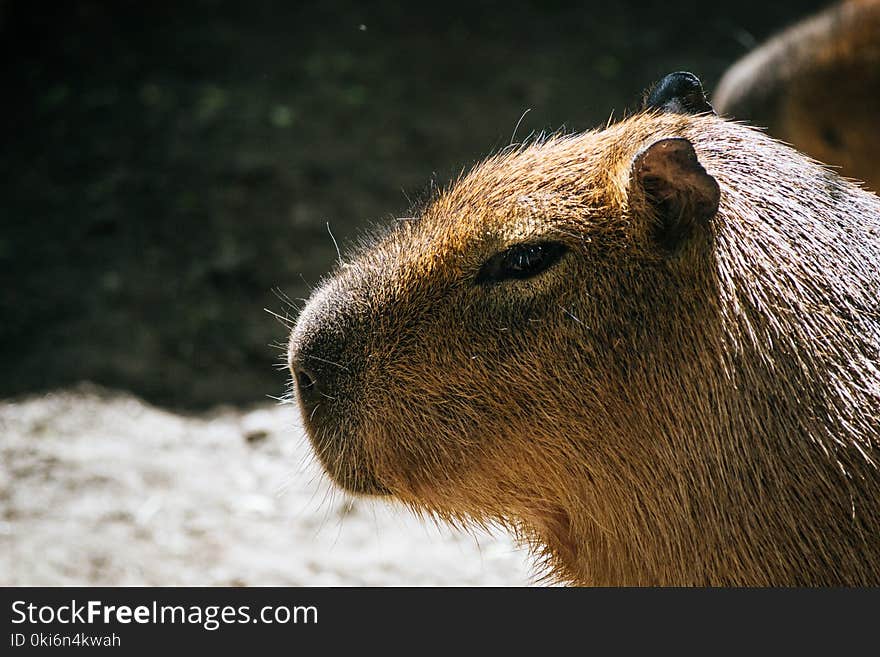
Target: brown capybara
{"type": "Point", "coordinates": [651, 351]}
{"type": "Point", "coordinates": [816, 86]}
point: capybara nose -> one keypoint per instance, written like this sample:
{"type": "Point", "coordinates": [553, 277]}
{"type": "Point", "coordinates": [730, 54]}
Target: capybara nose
{"type": "Point", "coordinates": [313, 376]}
{"type": "Point", "coordinates": [307, 386]}
{"type": "Point", "coordinates": [318, 372]}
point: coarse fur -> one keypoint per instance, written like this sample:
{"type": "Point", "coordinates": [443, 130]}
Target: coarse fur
{"type": "Point", "coordinates": [816, 85]}
{"type": "Point", "coordinates": [701, 414]}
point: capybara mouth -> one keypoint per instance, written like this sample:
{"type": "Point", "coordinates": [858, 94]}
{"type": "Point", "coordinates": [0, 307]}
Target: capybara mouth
{"type": "Point", "coordinates": [342, 458]}
{"type": "Point", "coordinates": [354, 479]}
{"type": "Point", "coordinates": [340, 453]}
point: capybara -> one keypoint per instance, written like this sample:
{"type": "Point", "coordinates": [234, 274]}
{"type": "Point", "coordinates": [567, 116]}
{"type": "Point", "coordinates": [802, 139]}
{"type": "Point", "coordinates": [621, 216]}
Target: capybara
{"type": "Point", "coordinates": [816, 86]}
{"type": "Point", "coordinates": [651, 351]}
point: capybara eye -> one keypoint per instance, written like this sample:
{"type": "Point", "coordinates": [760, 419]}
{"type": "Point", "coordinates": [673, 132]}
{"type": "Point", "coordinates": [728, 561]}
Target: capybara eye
{"type": "Point", "coordinates": [521, 261]}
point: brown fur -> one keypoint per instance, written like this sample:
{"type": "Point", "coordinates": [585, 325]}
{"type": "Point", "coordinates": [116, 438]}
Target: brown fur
{"type": "Point", "coordinates": [709, 415]}
{"type": "Point", "coordinates": [816, 85]}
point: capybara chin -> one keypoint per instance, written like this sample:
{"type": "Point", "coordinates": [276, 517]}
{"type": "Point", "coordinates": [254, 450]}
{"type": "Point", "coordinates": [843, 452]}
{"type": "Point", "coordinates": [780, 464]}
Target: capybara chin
{"type": "Point", "coordinates": [651, 351]}
{"type": "Point", "coordinates": [816, 85]}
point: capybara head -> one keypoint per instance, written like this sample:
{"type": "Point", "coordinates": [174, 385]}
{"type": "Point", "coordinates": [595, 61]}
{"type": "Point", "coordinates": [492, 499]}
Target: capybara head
{"type": "Point", "coordinates": [564, 342]}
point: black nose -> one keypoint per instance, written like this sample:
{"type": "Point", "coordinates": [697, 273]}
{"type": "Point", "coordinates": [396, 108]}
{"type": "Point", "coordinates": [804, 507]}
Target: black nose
{"type": "Point", "coordinates": [319, 372]}
{"type": "Point", "coordinates": [307, 384]}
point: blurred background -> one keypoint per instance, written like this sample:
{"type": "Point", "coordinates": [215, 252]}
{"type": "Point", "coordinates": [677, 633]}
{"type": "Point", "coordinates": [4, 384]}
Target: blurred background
{"type": "Point", "coordinates": [168, 168]}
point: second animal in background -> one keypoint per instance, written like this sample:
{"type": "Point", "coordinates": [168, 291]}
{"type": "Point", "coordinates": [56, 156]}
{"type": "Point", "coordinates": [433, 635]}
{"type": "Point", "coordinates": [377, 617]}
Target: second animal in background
{"type": "Point", "coordinates": [816, 85]}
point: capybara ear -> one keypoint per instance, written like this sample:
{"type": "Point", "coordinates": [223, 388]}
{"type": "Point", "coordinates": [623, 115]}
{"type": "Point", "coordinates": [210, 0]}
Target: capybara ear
{"type": "Point", "coordinates": [680, 93]}
{"type": "Point", "coordinates": [669, 181]}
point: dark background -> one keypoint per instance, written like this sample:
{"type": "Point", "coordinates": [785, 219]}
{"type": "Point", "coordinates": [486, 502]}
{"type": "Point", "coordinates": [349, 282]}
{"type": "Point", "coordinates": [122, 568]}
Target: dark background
{"type": "Point", "coordinates": [166, 166]}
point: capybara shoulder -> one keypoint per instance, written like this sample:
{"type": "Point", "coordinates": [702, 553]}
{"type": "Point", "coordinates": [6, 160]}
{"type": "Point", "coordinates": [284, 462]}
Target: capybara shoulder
{"type": "Point", "coordinates": [816, 86]}
{"type": "Point", "coordinates": [651, 351]}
